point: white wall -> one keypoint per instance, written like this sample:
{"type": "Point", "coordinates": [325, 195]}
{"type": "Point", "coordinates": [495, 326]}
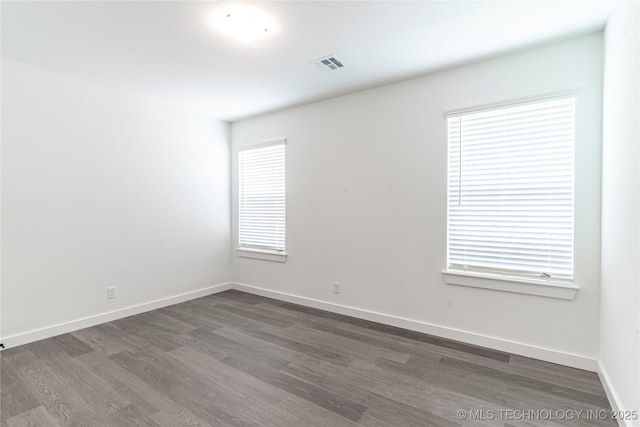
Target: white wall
{"type": "Point", "coordinates": [620, 309]}
{"type": "Point", "coordinates": [101, 188]}
{"type": "Point", "coordinates": [366, 188]}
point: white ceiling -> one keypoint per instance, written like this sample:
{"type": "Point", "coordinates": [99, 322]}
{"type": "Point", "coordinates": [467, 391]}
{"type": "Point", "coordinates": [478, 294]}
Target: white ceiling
{"type": "Point", "coordinates": [166, 50]}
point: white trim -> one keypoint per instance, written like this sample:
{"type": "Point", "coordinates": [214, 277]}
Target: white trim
{"type": "Point", "coordinates": [509, 284]}
{"type": "Point", "coordinates": [513, 102]}
{"type": "Point", "coordinates": [501, 344]}
{"type": "Point", "coordinates": [614, 400]}
{"type": "Point", "coordinates": [263, 254]}
{"type": "Point", "coordinates": [282, 141]}
{"type": "Point", "coordinates": [74, 325]}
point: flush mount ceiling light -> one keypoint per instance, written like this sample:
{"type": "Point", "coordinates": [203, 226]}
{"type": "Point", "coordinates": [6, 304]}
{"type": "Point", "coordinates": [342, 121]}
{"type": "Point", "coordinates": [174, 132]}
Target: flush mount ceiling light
{"type": "Point", "coordinates": [242, 22]}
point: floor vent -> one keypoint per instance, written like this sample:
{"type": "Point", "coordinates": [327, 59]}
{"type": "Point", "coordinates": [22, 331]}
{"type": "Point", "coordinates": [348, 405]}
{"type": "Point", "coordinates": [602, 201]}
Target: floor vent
{"type": "Point", "coordinates": [329, 63]}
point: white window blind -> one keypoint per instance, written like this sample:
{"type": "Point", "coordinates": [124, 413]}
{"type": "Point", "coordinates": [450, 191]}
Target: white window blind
{"type": "Point", "coordinates": [262, 197]}
{"type": "Point", "coordinates": [511, 187]}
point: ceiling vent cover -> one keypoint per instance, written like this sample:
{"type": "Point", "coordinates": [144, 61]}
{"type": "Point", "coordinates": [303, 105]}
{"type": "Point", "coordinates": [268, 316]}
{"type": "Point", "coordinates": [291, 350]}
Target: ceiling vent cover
{"type": "Point", "coordinates": [329, 63]}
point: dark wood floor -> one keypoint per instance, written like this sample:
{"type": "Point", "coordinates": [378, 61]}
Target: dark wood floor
{"type": "Point", "coordinates": [243, 360]}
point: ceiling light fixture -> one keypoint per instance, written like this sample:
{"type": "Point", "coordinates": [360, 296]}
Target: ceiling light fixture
{"type": "Point", "coordinates": [243, 22]}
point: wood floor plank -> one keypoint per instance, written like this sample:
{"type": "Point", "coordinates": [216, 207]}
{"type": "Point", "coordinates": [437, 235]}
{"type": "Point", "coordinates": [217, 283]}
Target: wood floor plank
{"type": "Point", "coordinates": [563, 371]}
{"type": "Point", "coordinates": [64, 404]}
{"type": "Point", "coordinates": [283, 354]}
{"type": "Point", "coordinates": [292, 317]}
{"type": "Point", "coordinates": [260, 318]}
{"type": "Point", "coordinates": [561, 375]}
{"type": "Point", "coordinates": [65, 343]}
{"type": "Point", "coordinates": [531, 383]}
{"type": "Point", "coordinates": [71, 345]}
{"type": "Point", "coordinates": [100, 339]}
{"type": "Point", "coordinates": [356, 349]}
{"type": "Point", "coordinates": [375, 402]}
{"type": "Point", "coordinates": [153, 336]}
{"type": "Point", "coordinates": [186, 390]}
{"type": "Point", "coordinates": [313, 415]}
{"type": "Point", "coordinates": [130, 416]}
{"type": "Point", "coordinates": [232, 392]}
{"type": "Point", "coordinates": [242, 297]}
{"type": "Point", "coordinates": [190, 318]}
{"type": "Point", "coordinates": [307, 391]}
{"type": "Point", "coordinates": [11, 351]}
{"type": "Point", "coordinates": [127, 385]}
{"type": "Point", "coordinates": [335, 317]}
{"type": "Point", "coordinates": [36, 417]}
{"type": "Point", "coordinates": [178, 417]}
{"type": "Point", "coordinates": [442, 342]}
{"type": "Point", "coordinates": [215, 343]}
{"type": "Point", "coordinates": [97, 394]}
{"type": "Point", "coordinates": [226, 318]}
{"type": "Point", "coordinates": [221, 373]}
{"type": "Point", "coordinates": [374, 341]}
{"type": "Point", "coordinates": [15, 397]}
{"type": "Point", "coordinates": [158, 320]}
{"type": "Point", "coordinates": [337, 358]}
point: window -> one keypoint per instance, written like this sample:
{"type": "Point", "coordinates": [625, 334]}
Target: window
{"type": "Point", "coordinates": [261, 172]}
{"type": "Point", "coordinates": [510, 192]}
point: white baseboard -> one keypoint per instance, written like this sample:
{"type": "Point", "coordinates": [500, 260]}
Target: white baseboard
{"type": "Point", "coordinates": [549, 355]}
{"type": "Point", "coordinates": [74, 325]}
{"type": "Point", "coordinates": [614, 400]}
{"type": "Point", "coordinates": [540, 353]}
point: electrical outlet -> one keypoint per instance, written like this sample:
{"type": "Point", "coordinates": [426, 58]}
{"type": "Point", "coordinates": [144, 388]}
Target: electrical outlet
{"type": "Point", "coordinates": [336, 287]}
{"type": "Point", "coordinates": [111, 293]}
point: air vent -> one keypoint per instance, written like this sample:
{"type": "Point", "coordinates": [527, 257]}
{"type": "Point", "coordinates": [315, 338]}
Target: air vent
{"type": "Point", "coordinates": [329, 63]}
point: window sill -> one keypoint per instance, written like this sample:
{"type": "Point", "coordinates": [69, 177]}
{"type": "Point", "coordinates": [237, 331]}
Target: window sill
{"type": "Point", "coordinates": [510, 284]}
{"type": "Point", "coordinates": [262, 254]}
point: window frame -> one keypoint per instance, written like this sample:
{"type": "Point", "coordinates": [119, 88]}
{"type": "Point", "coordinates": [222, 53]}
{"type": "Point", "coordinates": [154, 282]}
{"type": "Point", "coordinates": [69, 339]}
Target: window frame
{"type": "Point", "coordinates": [562, 289]}
{"type": "Point", "coordinates": [255, 251]}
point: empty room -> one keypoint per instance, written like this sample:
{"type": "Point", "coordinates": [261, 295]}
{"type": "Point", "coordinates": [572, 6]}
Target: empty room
{"type": "Point", "coordinates": [320, 213]}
